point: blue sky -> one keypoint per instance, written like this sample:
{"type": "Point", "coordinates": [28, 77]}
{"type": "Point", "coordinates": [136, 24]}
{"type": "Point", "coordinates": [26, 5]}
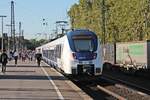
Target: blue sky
{"type": "Point", "coordinates": [31, 13]}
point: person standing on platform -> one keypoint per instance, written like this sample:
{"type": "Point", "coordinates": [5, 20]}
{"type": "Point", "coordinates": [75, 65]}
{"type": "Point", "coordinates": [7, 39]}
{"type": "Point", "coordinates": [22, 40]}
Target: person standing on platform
{"type": "Point", "coordinates": [4, 58]}
{"type": "Point", "coordinates": [15, 57]}
{"type": "Point", "coordinates": [38, 57]}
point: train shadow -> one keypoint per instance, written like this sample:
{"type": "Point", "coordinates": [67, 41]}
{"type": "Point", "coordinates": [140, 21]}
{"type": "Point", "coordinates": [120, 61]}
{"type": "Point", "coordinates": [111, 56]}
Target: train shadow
{"type": "Point", "coordinates": [87, 80]}
{"type": "Point", "coordinates": [32, 77]}
{"type": "Point", "coordinates": [26, 66]}
{"type": "Point", "coordinates": [89, 85]}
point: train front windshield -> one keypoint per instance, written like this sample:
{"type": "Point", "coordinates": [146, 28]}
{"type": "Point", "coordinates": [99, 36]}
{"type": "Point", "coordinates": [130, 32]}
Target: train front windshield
{"type": "Point", "coordinates": [83, 45]}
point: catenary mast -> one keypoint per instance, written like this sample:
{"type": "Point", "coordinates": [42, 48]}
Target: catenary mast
{"type": "Point", "coordinates": [13, 45]}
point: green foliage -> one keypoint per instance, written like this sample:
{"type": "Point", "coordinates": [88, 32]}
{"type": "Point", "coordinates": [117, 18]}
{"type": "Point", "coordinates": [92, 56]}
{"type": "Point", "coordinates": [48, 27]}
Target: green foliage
{"type": "Point", "coordinates": [124, 20]}
{"type": "Point", "coordinates": [33, 43]}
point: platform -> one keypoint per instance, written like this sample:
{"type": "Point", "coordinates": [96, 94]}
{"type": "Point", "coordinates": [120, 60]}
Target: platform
{"type": "Point", "coordinates": [29, 82]}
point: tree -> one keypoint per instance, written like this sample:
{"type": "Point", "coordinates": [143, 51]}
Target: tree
{"type": "Point", "coordinates": [125, 20]}
{"type": "Point", "coordinates": [33, 43]}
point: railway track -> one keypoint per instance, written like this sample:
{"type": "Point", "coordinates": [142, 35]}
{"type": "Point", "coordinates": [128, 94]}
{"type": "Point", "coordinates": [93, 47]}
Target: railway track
{"type": "Point", "coordinates": [139, 89]}
{"type": "Point", "coordinates": [126, 89]}
{"type": "Point", "coordinates": [92, 87]}
{"type": "Point", "coordinates": [105, 88]}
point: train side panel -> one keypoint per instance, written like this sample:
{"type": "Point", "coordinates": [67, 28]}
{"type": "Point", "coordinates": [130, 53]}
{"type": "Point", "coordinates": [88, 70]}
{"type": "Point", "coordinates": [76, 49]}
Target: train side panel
{"type": "Point", "coordinates": [66, 57]}
{"type": "Point", "coordinates": [99, 60]}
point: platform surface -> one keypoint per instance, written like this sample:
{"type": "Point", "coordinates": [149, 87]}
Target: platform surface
{"type": "Point", "coordinates": [27, 81]}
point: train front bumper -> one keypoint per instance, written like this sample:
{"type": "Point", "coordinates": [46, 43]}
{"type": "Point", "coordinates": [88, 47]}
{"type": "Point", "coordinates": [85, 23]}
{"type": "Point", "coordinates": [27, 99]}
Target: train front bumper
{"type": "Point", "coordinates": [86, 69]}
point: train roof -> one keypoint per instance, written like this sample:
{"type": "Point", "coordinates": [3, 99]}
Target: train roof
{"type": "Point", "coordinates": [70, 34]}
{"type": "Point", "coordinates": [80, 32]}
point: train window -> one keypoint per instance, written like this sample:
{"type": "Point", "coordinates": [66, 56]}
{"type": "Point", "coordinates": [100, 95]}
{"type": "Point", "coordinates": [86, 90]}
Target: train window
{"type": "Point", "coordinates": [58, 51]}
{"type": "Point", "coordinates": [83, 45]}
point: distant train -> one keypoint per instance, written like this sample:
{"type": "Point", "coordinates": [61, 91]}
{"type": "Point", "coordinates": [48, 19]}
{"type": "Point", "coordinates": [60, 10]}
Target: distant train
{"type": "Point", "coordinates": [77, 52]}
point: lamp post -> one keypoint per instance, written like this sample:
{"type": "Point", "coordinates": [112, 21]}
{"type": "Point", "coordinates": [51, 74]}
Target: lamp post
{"type": "Point", "coordinates": [62, 25]}
{"type": "Point", "coordinates": [45, 25]}
{"type": "Point", "coordinates": [8, 43]}
{"type": "Point", "coordinates": [2, 48]}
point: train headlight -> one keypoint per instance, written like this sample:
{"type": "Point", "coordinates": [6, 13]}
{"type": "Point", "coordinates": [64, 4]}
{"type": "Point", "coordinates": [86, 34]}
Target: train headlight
{"type": "Point", "coordinates": [74, 55]}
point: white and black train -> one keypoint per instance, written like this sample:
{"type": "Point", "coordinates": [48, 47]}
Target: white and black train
{"type": "Point", "coordinates": [75, 53]}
